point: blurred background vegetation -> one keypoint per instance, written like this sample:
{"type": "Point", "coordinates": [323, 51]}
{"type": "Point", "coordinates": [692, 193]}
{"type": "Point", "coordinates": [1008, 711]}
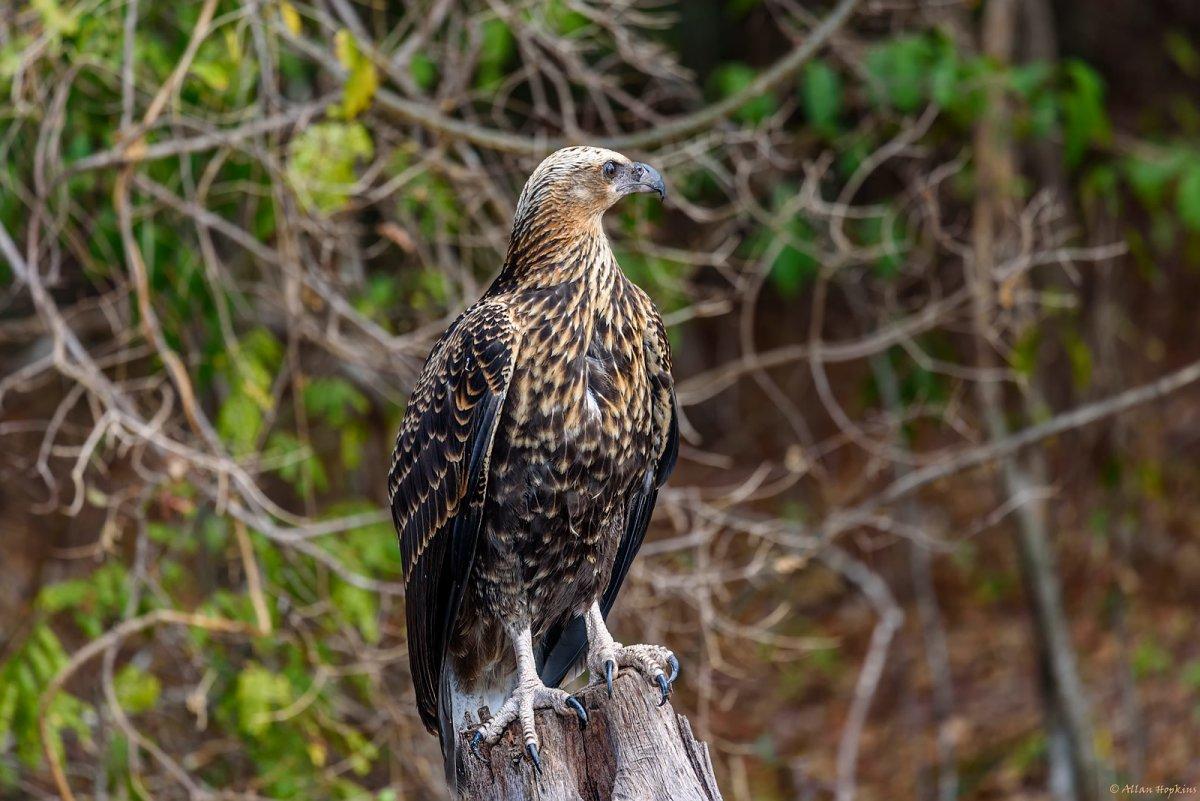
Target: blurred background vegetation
{"type": "Point", "coordinates": [900, 231]}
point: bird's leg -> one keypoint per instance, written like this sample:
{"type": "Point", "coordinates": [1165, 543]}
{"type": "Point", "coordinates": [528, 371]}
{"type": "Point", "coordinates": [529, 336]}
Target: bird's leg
{"type": "Point", "coordinates": [528, 694]}
{"type": "Point", "coordinates": [605, 655]}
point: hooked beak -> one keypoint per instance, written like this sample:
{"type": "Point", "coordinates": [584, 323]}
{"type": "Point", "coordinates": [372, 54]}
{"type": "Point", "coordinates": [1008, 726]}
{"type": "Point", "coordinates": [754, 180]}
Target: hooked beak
{"type": "Point", "coordinates": [643, 178]}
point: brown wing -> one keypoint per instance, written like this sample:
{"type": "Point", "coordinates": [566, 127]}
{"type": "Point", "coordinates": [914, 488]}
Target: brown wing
{"type": "Point", "coordinates": [565, 647]}
{"type": "Point", "coordinates": [438, 481]}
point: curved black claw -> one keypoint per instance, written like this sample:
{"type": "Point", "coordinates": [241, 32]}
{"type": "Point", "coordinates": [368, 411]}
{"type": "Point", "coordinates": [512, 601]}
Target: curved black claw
{"type": "Point", "coordinates": [609, 667]}
{"type": "Point", "coordinates": [532, 750]}
{"type": "Point", "coordinates": [476, 739]}
{"type": "Point", "coordinates": [672, 663]}
{"type": "Point", "coordinates": [579, 710]}
{"type": "Point", "coordinates": [663, 687]}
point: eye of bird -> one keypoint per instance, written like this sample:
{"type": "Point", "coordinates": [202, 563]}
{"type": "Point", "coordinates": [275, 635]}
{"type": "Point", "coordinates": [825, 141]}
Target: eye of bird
{"type": "Point", "coordinates": [610, 169]}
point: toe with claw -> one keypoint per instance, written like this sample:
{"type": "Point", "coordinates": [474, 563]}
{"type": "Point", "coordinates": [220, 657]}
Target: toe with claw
{"type": "Point", "coordinates": [654, 662]}
{"type": "Point", "coordinates": [580, 712]}
{"type": "Point", "coordinates": [519, 707]}
{"type": "Point", "coordinates": [534, 757]}
{"type": "Point", "coordinates": [663, 687]}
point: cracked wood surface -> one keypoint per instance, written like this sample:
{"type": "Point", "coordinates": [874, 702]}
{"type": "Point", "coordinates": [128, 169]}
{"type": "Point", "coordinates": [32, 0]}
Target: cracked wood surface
{"type": "Point", "coordinates": [631, 750]}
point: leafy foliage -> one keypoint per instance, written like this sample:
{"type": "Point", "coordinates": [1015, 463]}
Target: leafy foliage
{"type": "Point", "coordinates": [322, 161]}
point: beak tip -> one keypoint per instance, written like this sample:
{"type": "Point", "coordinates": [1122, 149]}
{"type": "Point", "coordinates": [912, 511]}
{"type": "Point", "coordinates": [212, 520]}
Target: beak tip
{"type": "Point", "coordinates": [656, 183]}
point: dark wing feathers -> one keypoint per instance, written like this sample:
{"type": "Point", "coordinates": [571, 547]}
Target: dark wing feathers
{"type": "Point", "coordinates": [563, 649]}
{"type": "Point", "coordinates": [438, 481]}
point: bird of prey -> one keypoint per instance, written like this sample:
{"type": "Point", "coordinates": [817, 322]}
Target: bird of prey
{"type": "Point", "coordinates": [527, 466]}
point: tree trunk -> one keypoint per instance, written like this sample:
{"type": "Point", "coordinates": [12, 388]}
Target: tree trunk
{"type": "Point", "coordinates": [1075, 771]}
{"type": "Point", "coordinates": [631, 750]}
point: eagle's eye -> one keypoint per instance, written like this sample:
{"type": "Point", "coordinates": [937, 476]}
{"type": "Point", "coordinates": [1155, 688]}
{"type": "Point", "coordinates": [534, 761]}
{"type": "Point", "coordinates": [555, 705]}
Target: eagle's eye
{"type": "Point", "coordinates": [610, 169]}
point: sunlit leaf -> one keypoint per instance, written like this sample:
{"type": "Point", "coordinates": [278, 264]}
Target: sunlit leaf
{"type": "Point", "coordinates": [137, 690]}
{"type": "Point", "coordinates": [239, 422]}
{"type": "Point", "coordinates": [260, 692]}
{"type": "Point", "coordinates": [362, 79]}
{"type": "Point", "coordinates": [322, 162]}
{"type": "Point", "coordinates": [291, 17]}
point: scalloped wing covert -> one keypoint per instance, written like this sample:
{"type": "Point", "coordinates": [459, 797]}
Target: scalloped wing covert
{"type": "Point", "coordinates": [438, 481]}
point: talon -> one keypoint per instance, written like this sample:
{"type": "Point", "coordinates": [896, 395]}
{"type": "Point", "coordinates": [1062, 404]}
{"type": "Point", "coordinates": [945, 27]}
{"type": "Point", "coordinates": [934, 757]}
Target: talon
{"type": "Point", "coordinates": [579, 710]}
{"type": "Point", "coordinates": [532, 750]}
{"type": "Point", "coordinates": [663, 687]}
{"type": "Point", "coordinates": [476, 739]}
{"type": "Point", "coordinates": [609, 667]}
{"type": "Point", "coordinates": [672, 663]}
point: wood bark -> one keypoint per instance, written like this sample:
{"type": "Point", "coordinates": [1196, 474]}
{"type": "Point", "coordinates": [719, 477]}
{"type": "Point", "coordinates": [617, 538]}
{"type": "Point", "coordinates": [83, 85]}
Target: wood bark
{"type": "Point", "coordinates": [631, 750]}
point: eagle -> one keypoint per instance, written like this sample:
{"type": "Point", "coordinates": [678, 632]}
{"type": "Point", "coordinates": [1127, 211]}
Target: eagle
{"type": "Point", "coordinates": [527, 466]}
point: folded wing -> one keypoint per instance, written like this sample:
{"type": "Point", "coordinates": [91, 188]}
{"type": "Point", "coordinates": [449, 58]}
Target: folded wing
{"type": "Point", "coordinates": [438, 482]}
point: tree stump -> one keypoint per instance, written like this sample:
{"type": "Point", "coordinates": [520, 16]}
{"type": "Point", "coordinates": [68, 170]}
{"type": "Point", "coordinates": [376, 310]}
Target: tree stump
{"type": "Point", "coordinates": [631, 750]}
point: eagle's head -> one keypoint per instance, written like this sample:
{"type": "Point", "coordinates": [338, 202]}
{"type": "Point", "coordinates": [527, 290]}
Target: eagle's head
{"type": "Point", "coordinates": [578, 184]}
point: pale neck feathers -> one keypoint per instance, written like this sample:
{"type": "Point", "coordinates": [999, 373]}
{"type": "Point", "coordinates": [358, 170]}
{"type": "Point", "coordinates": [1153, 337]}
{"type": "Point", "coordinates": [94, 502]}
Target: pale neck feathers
{"type": "Point", "coordinates": [554, 240]}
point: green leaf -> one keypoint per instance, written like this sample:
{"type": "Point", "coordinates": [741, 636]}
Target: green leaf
{"type": "Point", "coordinates": [358, 607]}
{"type": "Point", "coordinates": [24, 676]}
{"type": "Point", "coordinates": [730, 79]}
{"type": "Point", "coordinates": [1080, 356]}
{"type": "Point", "coordinates": [1085, 120]}
{"type": "Point", "coordinates": [300, 466]}
{"type": "Point", "coordinates": [291, 18]}
{"type": "Point", "coordinates": [1149, 178]}
{"type": "Point", "coordinates": [214, 74]}
{"type": "Point", "coordinates": [1028, 79]}
{"type": "Point", "coordinates": [362, 79]}
{"type": "Point", "coordinates": [1183, 52]}
{"type": "Point", "coordinates": [821, 93]}
{"type": "Point", "coordinates": [259, 692]}
{"type": "Point", "coordinates": [354, 441]}
{"type": "Point", "coordinates": [239, 422]}
{"type": "Point", "coordinates": [900, 72]}
{"type": "Point", "coordinates": [562, 19]}
{"type": "Point", "coordinates": [137, 691]}
{"type": "Point", "coordinates": [335, 400]}
{"type": "Point", "coordinates": [423, 71]}
{"type": "Point", "coordinates": [63, 595]}
{"type": "Point", "coordinates": [322, 161]}
{"type": "Point", "coordinates": [792, 270]}
{"type": "Point", "coordinates": [171, 536]}
{"type": "Point", "coordinates": [55, 19]}
{"type": "Point", "coordinates": [945, 80]}
{"type": "Point", "coordinates": [1149, 658]}
{"type": "Point", "coordinates": [496, 49]}
{"type": "Point", "coordinates": [1024, 355]}
{"type": "Point", "coordinates": [1187, 197]}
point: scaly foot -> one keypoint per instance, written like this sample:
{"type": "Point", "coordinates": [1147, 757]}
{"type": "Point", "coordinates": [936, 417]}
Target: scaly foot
{"type": "Point", "coordinates": [526, 697]}
{"type": "Point", "coordinates": [654, 662]}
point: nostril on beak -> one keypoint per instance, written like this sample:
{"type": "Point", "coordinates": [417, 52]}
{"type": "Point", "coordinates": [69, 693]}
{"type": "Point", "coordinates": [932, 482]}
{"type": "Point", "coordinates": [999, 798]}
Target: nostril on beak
{"type": "Point", "coordinates": [644, 178]}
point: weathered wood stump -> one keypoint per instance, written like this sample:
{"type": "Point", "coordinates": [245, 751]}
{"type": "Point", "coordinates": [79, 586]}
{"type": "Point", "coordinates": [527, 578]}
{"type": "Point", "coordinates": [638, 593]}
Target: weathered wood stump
{"type": "Point", "coordinates": [631, 750]}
